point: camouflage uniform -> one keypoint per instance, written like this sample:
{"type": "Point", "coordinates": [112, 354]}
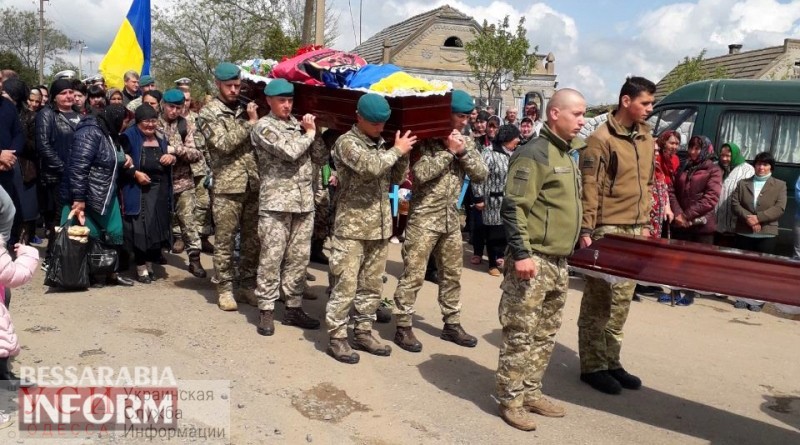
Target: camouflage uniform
{"type": "Point", "coordinates": [182, 181]}
{"type": "Point", "coordinates": [434, 226]}
{"type": "Point", "coordinates": [322, 208]}
{"type": "Point", "coordinates": [362, 228]}
{"type": "Point", "coordinates": [287, 158]}
{"type": "Point", "coordinates": [200, 171]}
{"type": "Point", "coordinates": [236, 184]}
{"type": "Point", "coordinates": [542, 192]}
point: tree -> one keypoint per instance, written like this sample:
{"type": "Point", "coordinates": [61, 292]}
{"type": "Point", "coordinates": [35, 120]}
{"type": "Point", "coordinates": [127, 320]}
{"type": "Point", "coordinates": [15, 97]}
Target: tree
{"type": "Point", "coordinates": [692, 69]}
{"type": "Point", "coordinates": [10, 61]}
{"type": "Point", "coordinates": [497, 56]}
{"type": "Point", "coordinates": [19, 34]}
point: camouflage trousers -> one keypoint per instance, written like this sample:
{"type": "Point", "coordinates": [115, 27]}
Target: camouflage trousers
{"type": "Point", "coordinates": [185, 203]}
{"type": "Point", "coordinates": [417, 248]}
{"type": "Point", "coordinates": [285, 247]}
{"type": "Point", "coordinates": [530, 313]}
{"type": "Point", "coordinates": [323, 215]}
{"type": "Point", "coordinates": [202, 207]}
{"type": "Point", "coordinates": [356, 269]}
{"type": "Point", "coordinates": [232, 210]}
{"type": "Point", "coordinates": [604, 309]}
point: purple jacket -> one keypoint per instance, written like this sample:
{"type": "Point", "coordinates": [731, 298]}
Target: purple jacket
{"type": "Point", "coordinates": [694, 194]}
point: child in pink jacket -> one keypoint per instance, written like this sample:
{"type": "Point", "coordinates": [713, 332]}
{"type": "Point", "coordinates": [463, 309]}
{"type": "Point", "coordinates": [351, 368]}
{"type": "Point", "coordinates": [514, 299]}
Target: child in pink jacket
{"type": "Point", "coordinates": [13, 273]}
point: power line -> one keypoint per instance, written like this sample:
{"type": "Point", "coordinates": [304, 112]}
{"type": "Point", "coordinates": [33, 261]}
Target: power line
{"type": "Point", "coordinates": [353, 22]}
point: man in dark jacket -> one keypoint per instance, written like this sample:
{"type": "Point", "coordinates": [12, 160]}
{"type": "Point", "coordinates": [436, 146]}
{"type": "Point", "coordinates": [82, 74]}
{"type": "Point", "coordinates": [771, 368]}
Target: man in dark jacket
{"type": "Point", "coordinates": [541, 214]}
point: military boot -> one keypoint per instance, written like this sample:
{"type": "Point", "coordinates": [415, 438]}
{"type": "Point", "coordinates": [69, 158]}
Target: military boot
{"type": "Point", "coordinates": [456, 334]}
{"type": "Point", "coordinates": [295, 316]}
{"type": "Point", "coordinates": [383, 314]}
{"type": "Point", "coordinates": [518, 417]}
{"type": "Point", "coordinates": [195, 268]}
{"type": "Point", "coordinates": [341, 351]}
{"type": "Point", "coordinates": [405, 338]}
{"type": "Point", "coordinates": [266, 325]}
{"type": "Point", "coordinates": [364, 341]}
{"type": "Point", "coordinates": [317, 254]}
{"type": "Point", "coordinates": [206, 246]}
{"type": "Point", "coordinates": [178, 246]}
{"type": "Point", "coordinates": [226, 301]}
{"type": "Point", "coordinates": [247, 296]}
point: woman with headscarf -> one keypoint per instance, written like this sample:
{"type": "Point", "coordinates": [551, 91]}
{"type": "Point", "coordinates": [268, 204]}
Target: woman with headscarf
{"type": "Point", "coordinates": [489, 194]}
{"type": "Point", "coordinates": [695, 192]}
{"type": "Point", "coordinates": [55, 125]}
{"type": "Point", "coordinates": [89, 187]}
{"type": "Point", "coordinates": [147, 192]}
{"type": "Point", "coordinates": [115, 96]}
{"type": "Point", "coordinates": [22, 176]}
{"type": "Point", "coordinates": [734, 169]}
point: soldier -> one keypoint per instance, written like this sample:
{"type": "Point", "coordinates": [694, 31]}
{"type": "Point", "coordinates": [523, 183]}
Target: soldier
{"type": "Point", "coordinates": [543, 192]}
{"type": "Point", "coordinates": [287, 158]}
{"type": "Point", "coordinates": [225, 124]}
{"type": "Point", "coordinates": [179, 134]}
{"type": "Point", "coordinates": [363, 226]}
{"type": "Point", "coordinates": [324, 177]}
{"type": "Point", "coordinates": [184, 84]}
{"type": "Point", "coordinates": [146, 83]}
{"type": "Point", "coordinates": [617, 171]}
{"type": "Point", "coordinates": [434, 227]}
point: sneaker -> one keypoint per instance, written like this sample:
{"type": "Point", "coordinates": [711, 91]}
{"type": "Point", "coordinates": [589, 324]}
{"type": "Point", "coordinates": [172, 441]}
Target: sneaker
{"type": "Point", "coordinates": [602, 381]}
{"type": "Point", "coordinates": [545, 407]}
{"type": "Point", "coordinates": [394, 240]}
{"type": "Point", "coordinates": [754, 307]}
{"type": "Point", "coordinates": [36, 240]}
{"type": "Point", "coordinates": [739, 304]}
{"type": "Point", "coordinates": [664, 298]}
{"type": "Point", "coordinates": [45, 264]}
{"type": "Point", "coordinates": [627, 380]}
{"type": "Point", "coordinates": [495, 272]}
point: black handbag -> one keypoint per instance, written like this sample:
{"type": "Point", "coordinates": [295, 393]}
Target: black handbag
{"type": "Point", "coordinates": [102, 259]}
{"type": "Point", "coordinates": [68, 268]}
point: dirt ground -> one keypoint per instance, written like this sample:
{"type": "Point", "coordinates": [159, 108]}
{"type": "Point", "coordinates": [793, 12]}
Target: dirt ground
{"type": "Point", "coordinates": [712, 374]}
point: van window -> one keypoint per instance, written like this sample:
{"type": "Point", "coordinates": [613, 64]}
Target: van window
{"type": "Point", "coordinates": [680, 119]}
{"type": "Point", "coordinates": [787, 140]}
{"type": "Point", "coordinates": [752, 132]}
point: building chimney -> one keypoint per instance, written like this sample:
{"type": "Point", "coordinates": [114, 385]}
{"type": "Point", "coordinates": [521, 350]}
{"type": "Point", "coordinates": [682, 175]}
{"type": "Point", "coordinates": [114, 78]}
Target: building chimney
{"type": "Point", "coordinates": [734, 48]}
{"type": "Point", "coordinates": [387, 51]}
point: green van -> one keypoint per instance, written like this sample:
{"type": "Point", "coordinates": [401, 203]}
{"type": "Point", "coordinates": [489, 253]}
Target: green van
{"type": "Point", "coordinates": [758, 115]}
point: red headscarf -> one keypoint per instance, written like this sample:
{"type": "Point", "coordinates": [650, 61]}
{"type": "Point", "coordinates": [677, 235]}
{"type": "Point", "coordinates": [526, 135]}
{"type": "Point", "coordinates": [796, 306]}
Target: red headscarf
{"type": "Point", "coordinates": [667, 163]}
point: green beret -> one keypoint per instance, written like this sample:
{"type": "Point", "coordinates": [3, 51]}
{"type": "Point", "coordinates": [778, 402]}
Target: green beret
{"type": "Point", "coordinates": [462, 102]}
{"type": "Point", "coordinates": [174, 96]}
{"type": "Point", "coordinates": [146, 80]}
{"type": "Point", "coordinates": [279, 87]}
{"type": "Point", "coordinates": [374, 108]}
{"type": "Point", "coordinates": [226, 71]}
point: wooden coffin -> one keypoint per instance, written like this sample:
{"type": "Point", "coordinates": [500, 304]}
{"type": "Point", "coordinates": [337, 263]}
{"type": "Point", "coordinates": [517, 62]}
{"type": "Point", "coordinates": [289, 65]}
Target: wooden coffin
{"type": "Point", "coordinates": [700, 267]}
{"type": "Point", "coordinates": [424, 116]}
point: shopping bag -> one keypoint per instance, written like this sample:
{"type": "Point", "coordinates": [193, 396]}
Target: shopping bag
{"type": "Point", "coordinates": [68, 268]}
{"type": "Point", "coordinates": [102, 258]}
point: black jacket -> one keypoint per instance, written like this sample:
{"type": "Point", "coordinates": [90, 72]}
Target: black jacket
{"type": "Point", "coordinates": [53, 134]}
{"type": "Point", "coordinates": [92, 169]}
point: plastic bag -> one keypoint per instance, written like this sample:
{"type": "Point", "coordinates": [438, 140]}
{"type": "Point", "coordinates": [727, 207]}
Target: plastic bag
{"type": "Point", "coordinates": [102, 259]}
{"type": "Point", "coordinates": [68, 267]}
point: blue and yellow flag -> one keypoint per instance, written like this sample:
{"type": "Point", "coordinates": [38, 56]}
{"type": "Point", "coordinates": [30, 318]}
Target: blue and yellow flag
{"type": "Point", "coordinates": [131, 47]}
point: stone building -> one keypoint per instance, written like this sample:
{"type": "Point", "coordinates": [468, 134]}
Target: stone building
{"type": "Point", "coordinates": [431, 45]}
{"type": "Point", "coordinates": [774, 63]}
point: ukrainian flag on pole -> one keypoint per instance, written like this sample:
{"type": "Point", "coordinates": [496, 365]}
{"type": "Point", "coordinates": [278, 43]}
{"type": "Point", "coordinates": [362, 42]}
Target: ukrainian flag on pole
{"type": "Point", "coordinates": [131, 47]}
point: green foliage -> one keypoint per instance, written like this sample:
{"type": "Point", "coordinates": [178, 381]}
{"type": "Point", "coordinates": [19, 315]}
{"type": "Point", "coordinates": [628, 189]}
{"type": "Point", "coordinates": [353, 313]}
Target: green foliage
{"type": "Point", "coordinates": [692, 70]}
{"type": "Point", "coordinates": [10, 61]}
{"type": "Point", "coordinates": [19, 35]}
{"type": "Point", "coordinates": [497, 55]}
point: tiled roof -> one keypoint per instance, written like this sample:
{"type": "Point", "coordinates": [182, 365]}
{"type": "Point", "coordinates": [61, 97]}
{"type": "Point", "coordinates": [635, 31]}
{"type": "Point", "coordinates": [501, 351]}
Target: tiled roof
{"type": "Point", "coordinates": [743, 65]}
{"type": "Point", "coordinates": [372, 49]}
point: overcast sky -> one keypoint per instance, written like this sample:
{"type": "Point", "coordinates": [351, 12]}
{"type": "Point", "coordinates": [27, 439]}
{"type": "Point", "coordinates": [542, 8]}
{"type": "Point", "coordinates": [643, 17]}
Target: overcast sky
{"type": "Point", "coordinates": [596, 43]}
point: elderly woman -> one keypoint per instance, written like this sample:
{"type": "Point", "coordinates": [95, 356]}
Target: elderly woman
{"type": "Point", "coordinates": [734, 169]}
{"type": "Point", "coordinates": [489, 194]}
{"type": "Point", "coordinates": [54, 127]}
{"type": "Point", "coordinates": [758, 203]}
{"type": "Point", "coordinates": [147, 192]}
{"type": "Point", "coordinates": [89, 188]}
{"type": "Point", "coordinates": [114, 96]}
{"type": "Point", "coordinates": [695, 192]}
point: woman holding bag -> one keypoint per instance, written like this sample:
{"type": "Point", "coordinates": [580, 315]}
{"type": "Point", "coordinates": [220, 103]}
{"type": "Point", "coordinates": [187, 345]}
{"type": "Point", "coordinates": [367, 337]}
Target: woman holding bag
{"type": "Point", "coordinates": [90, 179]}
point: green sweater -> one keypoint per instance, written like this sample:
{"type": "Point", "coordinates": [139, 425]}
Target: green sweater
{"type": "Point", "coordinates": [541, 209]}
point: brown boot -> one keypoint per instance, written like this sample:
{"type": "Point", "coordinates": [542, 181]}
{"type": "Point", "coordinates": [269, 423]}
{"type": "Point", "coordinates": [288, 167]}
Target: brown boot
{"type": "Point", "coordinates": [364, 341]}
{"type": "Point", "coordinates": [518, 418]}
{"type": "Point", "coordinates": [456, 334]}
{"type": "Point", "coordinates": [545, 407]}
{"type": "Point", "coordinates": [178, 246]}
{"type": "Point", "coordinates": [247, 296]}
{"type": "Point", "coordinates": [266, 325]}
{"type": "Point", "coordinates": [404, 337]}
{"type": "Point", "coordinates": [340, 350]}
{"type": "Point", "coordinates": [295, 316]}
{"type": "Point", "coordinates": [195, 268]}
{"type": "Point", "coordinates": [226, 301]}
{"type": "Point", "coordinates": [206, 246]}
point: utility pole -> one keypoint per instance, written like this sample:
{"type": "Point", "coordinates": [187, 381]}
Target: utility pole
{"type": "Point", "coordinates": [81, 47]}
{"type": "Point", "coordinates": [91, 64]}
{"type": "Point", "coordinates": [319, 26]}
{"type": "Point", "coordinates": [308, 17]}
{"type": "Point", "coordinates": [41, 41]}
